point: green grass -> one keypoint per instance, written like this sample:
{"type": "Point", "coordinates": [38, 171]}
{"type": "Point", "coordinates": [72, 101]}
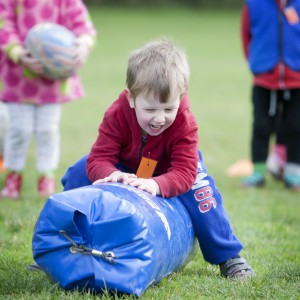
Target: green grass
{"type": "Point", "coordinates": [265, 220]}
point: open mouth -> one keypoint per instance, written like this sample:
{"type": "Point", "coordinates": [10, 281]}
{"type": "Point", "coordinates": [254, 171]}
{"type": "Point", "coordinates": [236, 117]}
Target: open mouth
{"type": "Point", "coordinates": [155, 129]}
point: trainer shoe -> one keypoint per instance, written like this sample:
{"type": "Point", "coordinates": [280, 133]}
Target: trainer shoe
{"type": "Point", "coordinates": [253, 180]}
{"type": "Point", "coordinates": [292, 182]}
{"type": "Point", "coordinates": [12, 186]}
{"type": "Point", "coordinates": [236, 268]}
{"type": "Point", "coordinates": [46, 186]}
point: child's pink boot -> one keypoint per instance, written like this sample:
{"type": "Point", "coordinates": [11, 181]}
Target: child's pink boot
{"type": "Point", "coordinates": [46, 186]}
{"type": "Point", "coordinates": [12, 186]}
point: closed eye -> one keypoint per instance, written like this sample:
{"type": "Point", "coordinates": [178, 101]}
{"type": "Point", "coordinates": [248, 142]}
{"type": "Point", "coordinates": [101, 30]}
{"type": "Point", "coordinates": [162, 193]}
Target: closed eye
{"type": "Point", "coordinates": [169, 110]}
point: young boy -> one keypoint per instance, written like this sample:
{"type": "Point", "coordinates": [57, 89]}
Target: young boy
{"type": "Point", "coordinates": [148, 139]}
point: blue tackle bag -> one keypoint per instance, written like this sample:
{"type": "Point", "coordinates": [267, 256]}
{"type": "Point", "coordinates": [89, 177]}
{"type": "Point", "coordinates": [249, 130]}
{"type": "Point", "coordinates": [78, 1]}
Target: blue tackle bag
{"type": "Point", "coordinates": [112, 237]}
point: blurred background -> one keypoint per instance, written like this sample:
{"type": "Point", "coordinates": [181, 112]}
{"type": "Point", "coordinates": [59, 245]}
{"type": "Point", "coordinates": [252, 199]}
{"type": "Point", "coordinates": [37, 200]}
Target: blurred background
{"type": "Point", "coordinates": [264, 219]}
{"type": "Point", "coordinates": [187, 3]}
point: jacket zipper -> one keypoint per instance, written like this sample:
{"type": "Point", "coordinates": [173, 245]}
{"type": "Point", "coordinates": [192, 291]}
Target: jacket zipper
{"type": "Point", "coordinates": [144, 138]}
{"type": "Point", "coordinates": [281, 68]}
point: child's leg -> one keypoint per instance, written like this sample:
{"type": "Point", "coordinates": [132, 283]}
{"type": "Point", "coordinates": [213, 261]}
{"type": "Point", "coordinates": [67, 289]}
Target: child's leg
{"type": "Point", "coordinates": [212, 227]}
{"type": "Point", "coordinates": [19, 135]}
{"type": "Point", "coordinates": [3, 126]}
{"type": "Point", "coordinates": [75, 176]}
{"type": "Point", "coordinates": [291, 119]}
{"type": "Point", "coordinates": [47, 122]}
{"type": "Point", "coordinates": [265, 109]}
{"type": "Point", "coordinates": [18, 138]}
{"type": "Point", "coordinates": [3, 130]}
{"type": "Point", "coordinates": [277, 157]}
{"type": "Point", "coordinates": [211, 223]}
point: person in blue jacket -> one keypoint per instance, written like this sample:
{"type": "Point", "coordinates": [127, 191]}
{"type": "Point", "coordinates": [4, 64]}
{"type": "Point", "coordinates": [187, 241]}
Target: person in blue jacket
{"type": "Point", "coordinates": [270, 32]}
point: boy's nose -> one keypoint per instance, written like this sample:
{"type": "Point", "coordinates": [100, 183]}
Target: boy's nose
{"type": "Point", "coordinates": [160, 117]}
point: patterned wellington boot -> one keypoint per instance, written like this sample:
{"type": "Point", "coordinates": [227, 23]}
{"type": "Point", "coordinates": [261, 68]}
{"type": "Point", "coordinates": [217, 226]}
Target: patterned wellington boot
{"type": "Point", "coordinates": [46, 186]}
{"type": "Point", "coordinates": [276, 161]}
{"type": "Point", "coordinates": [12, 186]}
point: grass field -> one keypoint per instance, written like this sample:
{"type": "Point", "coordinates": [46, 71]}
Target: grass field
{"type": "Point", "coordinates": [266, 220]}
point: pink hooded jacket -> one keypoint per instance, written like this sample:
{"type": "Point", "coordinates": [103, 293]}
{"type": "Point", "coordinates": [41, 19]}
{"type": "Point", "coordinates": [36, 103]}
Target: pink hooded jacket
{"type": "Point", "coordinates": [16, 18]}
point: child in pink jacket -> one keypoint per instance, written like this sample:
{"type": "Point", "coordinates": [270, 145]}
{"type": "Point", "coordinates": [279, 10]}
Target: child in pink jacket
{"type": "Point", "coordinates": [33, 101]}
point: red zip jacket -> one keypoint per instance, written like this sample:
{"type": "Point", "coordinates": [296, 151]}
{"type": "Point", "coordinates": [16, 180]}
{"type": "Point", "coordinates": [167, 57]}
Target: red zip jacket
{"type": "Point", "coordinates": [120, 141]}
{"type": "Point", "coordinates": [281, 77]}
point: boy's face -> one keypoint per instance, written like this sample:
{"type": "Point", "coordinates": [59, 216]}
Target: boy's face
{"type": "Point", "coordinates": [154, 117]}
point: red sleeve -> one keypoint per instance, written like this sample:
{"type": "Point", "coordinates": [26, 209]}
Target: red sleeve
{"type": "Point", "coordinates": [245, 31]}
{"type": "Point", "coordinates": [104, 153]}
{"type": "Point", "coordinates": [184, 160]}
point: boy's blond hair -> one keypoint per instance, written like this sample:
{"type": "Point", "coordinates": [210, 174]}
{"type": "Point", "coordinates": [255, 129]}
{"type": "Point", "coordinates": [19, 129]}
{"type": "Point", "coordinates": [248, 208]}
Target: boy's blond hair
{"type": "Point", "coordinates": [159, 69]}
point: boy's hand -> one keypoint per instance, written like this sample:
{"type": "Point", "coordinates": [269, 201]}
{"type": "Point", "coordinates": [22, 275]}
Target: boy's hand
{"type": "Point", "coordinates": [116, 176]}
{"type": "Point", "coordinates": [147, 185]}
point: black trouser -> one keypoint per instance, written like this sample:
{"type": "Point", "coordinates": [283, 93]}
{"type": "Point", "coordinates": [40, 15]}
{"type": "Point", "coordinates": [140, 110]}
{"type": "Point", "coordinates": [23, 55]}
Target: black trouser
{"type": "Point", "coordinates": [283, 117]}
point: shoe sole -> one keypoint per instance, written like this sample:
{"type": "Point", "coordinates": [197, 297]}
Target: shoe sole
{"type": "Point", "coordinates": [259, 185]}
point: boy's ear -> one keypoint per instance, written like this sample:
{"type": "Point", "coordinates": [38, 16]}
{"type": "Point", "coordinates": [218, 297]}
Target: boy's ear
{"type": "Point", "coordinates": [129, 98]}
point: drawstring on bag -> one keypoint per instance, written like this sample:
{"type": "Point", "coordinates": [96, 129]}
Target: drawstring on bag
{"type": "Point", "coordinates": [108, 256]}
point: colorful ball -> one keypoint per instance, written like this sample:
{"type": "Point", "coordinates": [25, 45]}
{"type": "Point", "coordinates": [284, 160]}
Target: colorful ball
{"type": "Point", "coordinates": [53, 46]}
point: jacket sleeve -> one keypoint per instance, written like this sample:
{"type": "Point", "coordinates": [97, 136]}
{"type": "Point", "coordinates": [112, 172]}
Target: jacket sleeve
{"type": "Point", "coordinates": [104, 153]}
{"type": "Point", "coordinates": [245, 31]}
{"type": "Point", "coordinates": [75, 16]}
{"type": "Point", "coordinates": [10, 39]}
{"type": "Point", "coordinates": [184, 159]}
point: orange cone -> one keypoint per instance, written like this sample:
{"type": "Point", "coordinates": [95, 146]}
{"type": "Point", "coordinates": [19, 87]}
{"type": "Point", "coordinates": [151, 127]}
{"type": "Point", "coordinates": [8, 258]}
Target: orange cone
{"type": "Point", "coordinates": [242, 167]}
{"type": "Point", "coordinates": [2, 168]}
